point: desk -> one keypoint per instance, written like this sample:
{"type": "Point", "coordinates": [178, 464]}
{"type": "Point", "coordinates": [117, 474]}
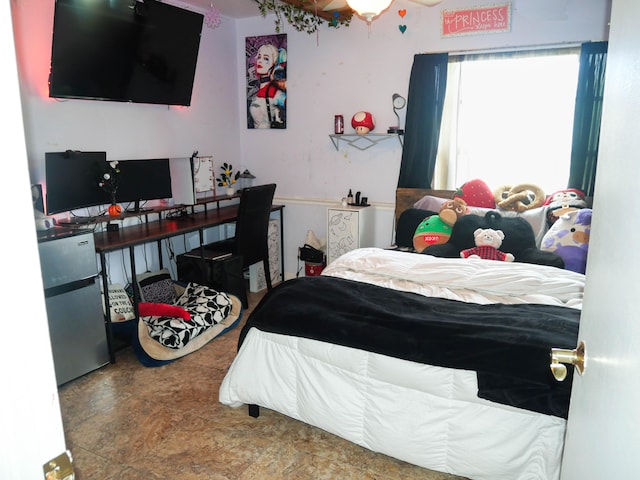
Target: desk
{"type": "Point", "coordinates": [132, 236]}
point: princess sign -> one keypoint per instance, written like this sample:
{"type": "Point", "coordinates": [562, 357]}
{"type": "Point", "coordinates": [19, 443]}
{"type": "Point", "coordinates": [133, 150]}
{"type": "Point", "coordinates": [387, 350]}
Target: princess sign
{"type": "Point", "coordinates": [477, 20]}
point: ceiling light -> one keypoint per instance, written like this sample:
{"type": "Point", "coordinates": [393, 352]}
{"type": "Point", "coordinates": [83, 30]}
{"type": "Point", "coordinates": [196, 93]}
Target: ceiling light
{"type": "Point", "coordinates": [369, 8]}
{"type": "Point", "coordinates": [428, 3]}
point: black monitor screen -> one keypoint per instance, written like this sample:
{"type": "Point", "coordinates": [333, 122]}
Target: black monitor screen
{"type": "Point", "coordinates": [143, 180]}
{"type": "Point", "coordinates": [72, 179]}
{"type": "Point", "coordinates": [124, 50]}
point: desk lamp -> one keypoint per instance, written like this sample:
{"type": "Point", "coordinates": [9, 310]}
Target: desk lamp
{"type": "Point", "coordinates": [398, 103]}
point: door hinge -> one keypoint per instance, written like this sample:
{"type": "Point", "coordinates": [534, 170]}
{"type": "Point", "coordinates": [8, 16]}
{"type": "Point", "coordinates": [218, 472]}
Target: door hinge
{"type": "Point", "coordinates": [60, 468]}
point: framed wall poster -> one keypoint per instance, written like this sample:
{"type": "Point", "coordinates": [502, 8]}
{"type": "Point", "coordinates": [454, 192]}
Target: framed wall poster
{"type": "Point", "coordinates": [266, 64]}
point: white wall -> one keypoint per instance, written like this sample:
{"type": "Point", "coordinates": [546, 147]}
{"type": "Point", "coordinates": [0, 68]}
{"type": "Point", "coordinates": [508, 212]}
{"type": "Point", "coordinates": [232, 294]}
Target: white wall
{"type": "Point", "coordinates": [347, 70]}
{"type": "Point", "coordinates": [126, 131]}
{"type": "Point", "coordinates": [338, 71]}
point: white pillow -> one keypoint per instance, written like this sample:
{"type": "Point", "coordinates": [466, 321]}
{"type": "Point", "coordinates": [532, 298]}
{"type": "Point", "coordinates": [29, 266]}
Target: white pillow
{"type": "Point", "coordinates": [119, 304]}
{"type": "Point", "coordinates": [429, 202]}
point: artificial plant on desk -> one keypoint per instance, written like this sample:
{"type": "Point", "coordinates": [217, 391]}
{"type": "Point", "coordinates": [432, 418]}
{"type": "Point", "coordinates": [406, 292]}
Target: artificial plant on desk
{"type": "Point", "coordinates": [109, 183]}
{"type": "Point", "coordinates": [227, 178]}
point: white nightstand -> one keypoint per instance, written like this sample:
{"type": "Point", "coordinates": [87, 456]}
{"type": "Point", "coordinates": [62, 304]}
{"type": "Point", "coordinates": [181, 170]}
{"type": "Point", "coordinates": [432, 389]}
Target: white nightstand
{"type": "Point", "coordinates": [348, 228]}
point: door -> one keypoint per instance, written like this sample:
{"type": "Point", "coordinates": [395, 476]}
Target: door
{"type": "Point", "coordinates": [603, 432]}
{"type": "Point", "coordinates": [30, 419]}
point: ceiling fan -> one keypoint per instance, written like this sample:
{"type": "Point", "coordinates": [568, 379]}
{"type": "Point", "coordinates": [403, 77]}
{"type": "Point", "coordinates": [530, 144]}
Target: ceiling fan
{"type": "Point", "coordinates": [340, 4]}
{"type": "Point", "coordinates": [335, 5]}
{"type": "Point", "coordinates": [327, 8]}
{"type": "Point", "coordinates": [323, 8]}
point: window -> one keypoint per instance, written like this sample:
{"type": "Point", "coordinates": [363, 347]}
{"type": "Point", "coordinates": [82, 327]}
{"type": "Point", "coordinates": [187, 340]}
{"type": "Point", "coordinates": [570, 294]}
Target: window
{"type": "Point", "coordinates": [508, 119]}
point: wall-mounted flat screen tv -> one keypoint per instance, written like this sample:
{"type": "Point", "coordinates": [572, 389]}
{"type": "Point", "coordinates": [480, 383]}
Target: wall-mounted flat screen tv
{"type": "Point", "coordinates": [72, 180]}
{"type": "Point", "coordinates": [125, 51]}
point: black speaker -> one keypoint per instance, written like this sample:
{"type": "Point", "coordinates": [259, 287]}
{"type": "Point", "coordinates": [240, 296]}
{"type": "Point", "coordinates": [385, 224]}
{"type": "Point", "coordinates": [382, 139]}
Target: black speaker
{"type": "Point", "coordinates": [221, 272]}
{"type": "Point", "coordinates": [36, 197]}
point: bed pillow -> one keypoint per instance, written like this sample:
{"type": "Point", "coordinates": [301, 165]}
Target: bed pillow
{"type": "Point", "coordinates": [156, 287]}
{"type": "Point", "coordinates": [536, 217]}
{"type": "Point", "coordinates": [146, 309]}
{"type": "Point", "coordinates": [119, 304]}
{"type": "Point", "coordinates": [519, 239]}
{"type": "Point", "coordinates": [429, 202]}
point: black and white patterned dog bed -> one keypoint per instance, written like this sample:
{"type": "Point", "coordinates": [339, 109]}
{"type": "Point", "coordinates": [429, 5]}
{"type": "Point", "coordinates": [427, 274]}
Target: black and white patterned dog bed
{"type": "Point", "coordinates": [166, 338]}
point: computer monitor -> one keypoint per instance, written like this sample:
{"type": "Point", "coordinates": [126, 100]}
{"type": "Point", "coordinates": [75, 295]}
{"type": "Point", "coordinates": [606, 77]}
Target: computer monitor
{"type": "Point", "coordinates": [143, 180]}
{"type": "Point", "coordinates": [72, 178]}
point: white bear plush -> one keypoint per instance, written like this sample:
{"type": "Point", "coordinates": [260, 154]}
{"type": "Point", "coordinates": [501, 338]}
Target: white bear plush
{"type": "Point", "coordinates": [487, 243]}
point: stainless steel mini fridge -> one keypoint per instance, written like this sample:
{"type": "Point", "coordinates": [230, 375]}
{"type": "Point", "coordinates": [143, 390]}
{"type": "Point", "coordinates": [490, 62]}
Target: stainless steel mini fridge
{"type": "Point", "coordinates": [73, 301]}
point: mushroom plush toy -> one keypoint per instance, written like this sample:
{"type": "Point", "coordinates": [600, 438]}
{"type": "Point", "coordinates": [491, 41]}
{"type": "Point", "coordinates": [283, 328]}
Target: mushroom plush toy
{"type": "Point", "coordinates": [363, 122]}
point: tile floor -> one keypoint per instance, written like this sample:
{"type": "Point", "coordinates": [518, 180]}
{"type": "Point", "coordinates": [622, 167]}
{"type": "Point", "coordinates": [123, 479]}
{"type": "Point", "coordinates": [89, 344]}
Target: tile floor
{"type": "Point", "coordinates": [126, 421]}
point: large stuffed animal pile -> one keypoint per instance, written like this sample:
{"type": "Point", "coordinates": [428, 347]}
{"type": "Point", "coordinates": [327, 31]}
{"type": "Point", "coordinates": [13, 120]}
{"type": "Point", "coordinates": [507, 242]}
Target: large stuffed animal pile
{"type": "Point", "coordinates": [450, 230]}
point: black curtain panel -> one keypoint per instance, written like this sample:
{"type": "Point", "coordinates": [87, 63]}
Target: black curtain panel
{"type": "Point", "coordinates": [588, 112]}
{"type": "Point", "coordinates": [425, 102]}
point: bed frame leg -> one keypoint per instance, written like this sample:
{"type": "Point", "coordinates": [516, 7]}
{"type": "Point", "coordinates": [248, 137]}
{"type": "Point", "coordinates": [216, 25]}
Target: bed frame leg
{"type": "Point", "coordinates": [254, 411]}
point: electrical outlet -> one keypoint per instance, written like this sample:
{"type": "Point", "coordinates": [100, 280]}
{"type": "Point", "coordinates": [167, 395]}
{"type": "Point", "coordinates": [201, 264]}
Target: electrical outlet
{"type": "Point", "coordinates": [60, 468]}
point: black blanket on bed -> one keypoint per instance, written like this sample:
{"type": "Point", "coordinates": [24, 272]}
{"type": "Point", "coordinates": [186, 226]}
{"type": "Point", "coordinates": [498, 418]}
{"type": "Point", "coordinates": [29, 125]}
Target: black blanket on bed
{"type": "Point", "coordinates": [507, 345]}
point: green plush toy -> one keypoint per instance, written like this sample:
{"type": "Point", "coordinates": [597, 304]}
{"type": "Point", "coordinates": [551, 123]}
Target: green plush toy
{"type": "Point", "coordinates": [431, 231]}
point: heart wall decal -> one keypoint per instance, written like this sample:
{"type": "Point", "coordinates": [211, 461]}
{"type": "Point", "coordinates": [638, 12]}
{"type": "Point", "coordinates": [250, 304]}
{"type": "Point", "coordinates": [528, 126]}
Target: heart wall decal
{"type": "Point", "coordinates": [402, 12]}
{"type": "Point", "coordinates": [403, 28]}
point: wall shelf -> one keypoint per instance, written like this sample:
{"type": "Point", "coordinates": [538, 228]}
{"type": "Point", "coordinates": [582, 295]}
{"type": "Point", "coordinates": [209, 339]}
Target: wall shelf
{"type": "Point", "coordinates": [362, 142]}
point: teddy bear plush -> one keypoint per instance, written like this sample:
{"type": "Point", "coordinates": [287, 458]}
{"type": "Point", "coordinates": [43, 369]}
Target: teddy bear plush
{"type": "Point", "coordinates": [487, 242]}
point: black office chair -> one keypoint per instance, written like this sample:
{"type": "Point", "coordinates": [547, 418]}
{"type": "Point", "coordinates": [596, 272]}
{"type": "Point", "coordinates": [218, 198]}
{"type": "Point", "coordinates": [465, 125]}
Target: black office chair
{"type": "Point", "coordinates": [252, 228]}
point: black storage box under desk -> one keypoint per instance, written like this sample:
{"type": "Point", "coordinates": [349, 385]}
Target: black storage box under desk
{"type": "Point", "coordinates": [222, 272]}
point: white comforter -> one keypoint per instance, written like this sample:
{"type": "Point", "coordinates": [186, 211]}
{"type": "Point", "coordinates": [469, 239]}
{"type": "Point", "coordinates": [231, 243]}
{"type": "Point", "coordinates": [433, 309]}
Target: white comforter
{"type": "Point", "coordinates": [427, 415]}
{"type": "Point", "coordinates": [468, 280]}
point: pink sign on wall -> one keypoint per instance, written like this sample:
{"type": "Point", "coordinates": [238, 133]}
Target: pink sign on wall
{"type": "Point", "coordinates": [476, 20]}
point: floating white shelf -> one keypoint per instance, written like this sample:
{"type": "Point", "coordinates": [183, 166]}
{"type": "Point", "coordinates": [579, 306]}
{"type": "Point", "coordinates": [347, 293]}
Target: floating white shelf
{"type": "Point", "coordinates": [363, 142]}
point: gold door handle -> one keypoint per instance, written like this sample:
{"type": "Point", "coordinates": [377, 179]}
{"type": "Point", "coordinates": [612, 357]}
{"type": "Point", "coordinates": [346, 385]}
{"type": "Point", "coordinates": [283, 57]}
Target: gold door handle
{"type": "Point", "coordinates": [560, 357]}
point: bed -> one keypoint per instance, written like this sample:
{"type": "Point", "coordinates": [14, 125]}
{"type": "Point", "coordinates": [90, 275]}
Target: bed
{"type": "Point", "coordinates": [440, 362]}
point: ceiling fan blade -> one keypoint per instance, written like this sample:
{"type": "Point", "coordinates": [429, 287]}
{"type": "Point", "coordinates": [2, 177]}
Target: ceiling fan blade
{"type": "Point", "coordinates": [335, 5]}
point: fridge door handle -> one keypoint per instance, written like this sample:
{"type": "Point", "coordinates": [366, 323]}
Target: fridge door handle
{"type": "Point", "coordinates": [68, 287]}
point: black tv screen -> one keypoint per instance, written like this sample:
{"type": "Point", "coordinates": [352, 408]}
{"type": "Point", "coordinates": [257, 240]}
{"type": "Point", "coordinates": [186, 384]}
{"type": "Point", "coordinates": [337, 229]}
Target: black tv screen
{"type": "Point", "coordinates": [143, 180]}
{"type": "Point", "coordinates": [72, 180]}
{"type": "Point", "coordinates": [124, 50]}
